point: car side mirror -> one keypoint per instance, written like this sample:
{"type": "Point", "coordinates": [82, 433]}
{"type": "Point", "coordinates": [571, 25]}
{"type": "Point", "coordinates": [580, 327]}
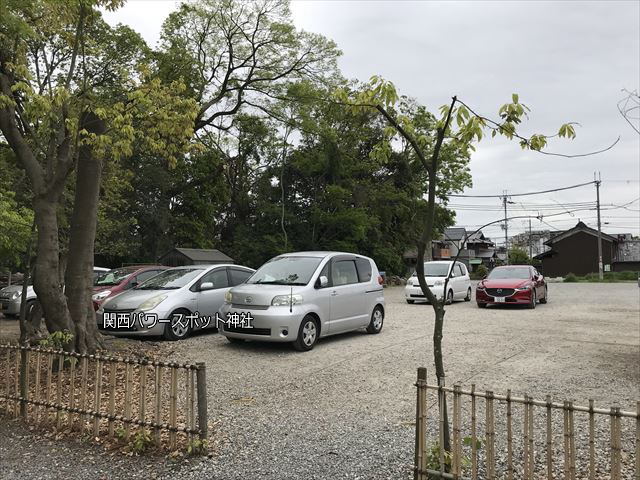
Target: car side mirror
{"type": "Point", "coordinates": [206, 286]}
{"type": "Point", "coordinates": [322, 281]}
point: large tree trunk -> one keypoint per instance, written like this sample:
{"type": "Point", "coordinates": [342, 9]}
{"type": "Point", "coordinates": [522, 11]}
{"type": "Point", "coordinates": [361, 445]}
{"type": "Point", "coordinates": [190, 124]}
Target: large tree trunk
{"type": "Point", "coordinates": [46, 278]}
{"type": "Point", "coordinates": [79, 272]}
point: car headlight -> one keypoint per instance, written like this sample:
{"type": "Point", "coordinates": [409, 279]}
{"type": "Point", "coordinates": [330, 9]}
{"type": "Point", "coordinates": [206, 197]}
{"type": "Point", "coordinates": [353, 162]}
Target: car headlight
{"type": "Point", "coordinates": [282, 300]}
{"type": "Point", "coordinates": [523, 289]}
{"type": "Point", "coordinates": [228, 296]}
{"type": "Point", "coordinates": [480, 287]}
{"type": "Point", "coordinates": [16, 295]}
{"type": "Point", "coordinates": [100, 295]}
{"type": "Point", "coordinates": [152, 303]}
{"type": "Point", "coordinates": [438, 283]}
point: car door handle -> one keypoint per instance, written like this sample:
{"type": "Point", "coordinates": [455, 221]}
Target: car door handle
{"type": "Point", "coordinates": [334, 293]}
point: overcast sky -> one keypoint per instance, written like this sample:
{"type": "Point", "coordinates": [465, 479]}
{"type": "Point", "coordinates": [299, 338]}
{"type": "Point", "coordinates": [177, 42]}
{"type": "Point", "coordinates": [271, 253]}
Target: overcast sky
{"type": "Point", "coordinates": [568, 61]}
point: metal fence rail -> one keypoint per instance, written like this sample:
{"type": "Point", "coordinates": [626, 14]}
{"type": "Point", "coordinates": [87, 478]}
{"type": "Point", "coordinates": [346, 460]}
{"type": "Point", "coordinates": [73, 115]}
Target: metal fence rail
{"type": "Point", "coordinates": [510, 440]}
{"type": "Point", "coordinates": [104, 395]}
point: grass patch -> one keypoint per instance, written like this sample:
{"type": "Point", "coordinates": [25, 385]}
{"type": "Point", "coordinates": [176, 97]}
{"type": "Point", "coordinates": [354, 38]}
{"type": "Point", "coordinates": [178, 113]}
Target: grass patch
{"type": "Point", "coordinates": [609, 277]}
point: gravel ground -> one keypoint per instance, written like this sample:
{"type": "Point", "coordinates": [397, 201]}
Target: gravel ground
{"type": "Point", "coordinates": [346, 409]}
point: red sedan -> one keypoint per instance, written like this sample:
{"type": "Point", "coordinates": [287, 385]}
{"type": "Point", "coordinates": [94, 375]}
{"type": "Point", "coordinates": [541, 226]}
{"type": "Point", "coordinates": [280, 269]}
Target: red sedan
{"type": "Point", "coordinates": [120, 279]}
{"type": "Point", "coordinates": [513, 285]}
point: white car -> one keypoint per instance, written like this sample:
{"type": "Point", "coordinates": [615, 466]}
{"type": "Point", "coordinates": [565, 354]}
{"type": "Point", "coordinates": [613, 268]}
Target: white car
{"type": "Point", "coordinates": [435, 273]}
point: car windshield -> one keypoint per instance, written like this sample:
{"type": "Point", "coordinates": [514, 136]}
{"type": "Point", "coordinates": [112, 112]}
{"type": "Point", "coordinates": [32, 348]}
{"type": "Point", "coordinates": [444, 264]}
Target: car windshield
{"type": "Point", "coordinates": [515, 273]}
{"type": "Point", "coordinates": [112, 277]}
{"type": "Point", "coordinates": [435, 269]}
{"type": "Point", "coordinates": [170, 279]}
{"type": "Point", "coordinates": [286, 271]}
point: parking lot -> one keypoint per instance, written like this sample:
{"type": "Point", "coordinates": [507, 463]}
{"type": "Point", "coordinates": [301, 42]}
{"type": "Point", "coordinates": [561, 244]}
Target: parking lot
{"type": "Point", "coordinates": [346, 408]}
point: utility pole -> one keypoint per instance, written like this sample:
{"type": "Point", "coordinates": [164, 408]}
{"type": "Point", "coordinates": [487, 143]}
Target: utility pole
{"type": "Point", "coordinates": [530, 242]}
{"type": "Point", "coordinates": [506, 226]}
{"type": "Point", "coordinates": [600, 266]}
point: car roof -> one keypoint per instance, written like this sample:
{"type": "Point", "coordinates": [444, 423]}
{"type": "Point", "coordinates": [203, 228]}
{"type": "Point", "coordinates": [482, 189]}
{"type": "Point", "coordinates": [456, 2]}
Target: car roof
{"type": "Point", "coordinates": [514, 266]}
{"type": "Point", "coordinates": [205, 266]}
{"type": "Point", "coordinates": [441, 261]}
{"type": "Point", "coordinates": [318, 254]}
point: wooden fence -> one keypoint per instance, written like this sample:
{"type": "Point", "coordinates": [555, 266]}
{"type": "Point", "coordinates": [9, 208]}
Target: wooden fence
{"type": "Point", "coordinates": [103, 395]}
{"type": "Point", "coordinates": [500, 436]}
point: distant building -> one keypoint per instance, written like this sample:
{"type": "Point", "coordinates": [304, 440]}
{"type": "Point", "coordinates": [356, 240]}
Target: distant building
{"type": "Point", "coordinates": [576, 251]}
{"type": "Point", "coordinates": [534, 240]}
{"type": "Point", "coordinates": [474, 248]}
{"type": "Point", "coordinates": [177, 257]}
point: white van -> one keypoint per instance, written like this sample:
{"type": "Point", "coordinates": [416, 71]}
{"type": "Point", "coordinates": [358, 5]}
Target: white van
{"type": "Point", "coordinates": [435, 273]}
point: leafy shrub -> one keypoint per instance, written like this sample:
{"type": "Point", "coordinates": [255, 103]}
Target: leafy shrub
{"type": "Point", "coordinates": [57, 340]}
{"type": "Point", "coordinates": [571, 277]}
{"type": "Point", "coordinates": [482, 271]}
{"type": "Point", "coordinates": [433, 455]}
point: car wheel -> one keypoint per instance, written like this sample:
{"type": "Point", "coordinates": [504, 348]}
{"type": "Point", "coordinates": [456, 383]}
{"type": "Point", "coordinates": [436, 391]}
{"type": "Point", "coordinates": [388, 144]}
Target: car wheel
{"type": "Point", "coordinates": [534, 299]}
{"type": "Point", "coordinates": [307, 334]}
{"type": "Point", "coordinates": [377, 320]}
{"type": "Point", "coordinates": [178, 327]}
{"type": "Point", "coordinates": [482, 305]}
{"type": "Point", "coordinates": [546, 295]}
{"type": "Point", "coordinates": [468, 297]}
{"type": "Point", "coordinates": [31, 305]}
{"type": "Point", "coordinates": [411, 302]}
{"type": "Point", "coordinates": [449, 298]}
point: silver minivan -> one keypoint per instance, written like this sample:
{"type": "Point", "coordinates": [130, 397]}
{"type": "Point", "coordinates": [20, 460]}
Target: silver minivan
{"type": "Point", "coordinates": [301, 297]}
{"type": "Point", "coordinates": [167, 303]}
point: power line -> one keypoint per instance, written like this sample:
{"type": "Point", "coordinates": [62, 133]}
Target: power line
{"type": "Point", "coordinates": [524, 194]}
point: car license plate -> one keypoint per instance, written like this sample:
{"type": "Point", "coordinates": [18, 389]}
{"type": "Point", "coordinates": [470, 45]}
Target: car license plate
{"type": "Point", "coordinates": [498, 299]}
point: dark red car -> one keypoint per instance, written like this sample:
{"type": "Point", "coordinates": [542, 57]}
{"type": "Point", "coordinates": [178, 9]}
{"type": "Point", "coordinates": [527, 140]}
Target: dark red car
{"type": "Point", "coordinates": [513, 285]}
{"type": "Point", "coordinates": [120, 279]}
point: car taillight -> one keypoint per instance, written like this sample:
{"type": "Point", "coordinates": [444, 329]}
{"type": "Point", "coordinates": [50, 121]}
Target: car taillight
{"type": "Point", "coordinates": [380, 280]}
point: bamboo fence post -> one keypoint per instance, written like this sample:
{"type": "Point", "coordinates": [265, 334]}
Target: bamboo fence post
{"type": "Point", "coordinates": [37, 382]}
{"type": "Point", "coordinates": [617, 467]}
{"type": "Point", "coordinates": [97, 398]}
{"type": "Point", "coordinates": [525, 439]}
{"type": "Point", "coordinates": [158, 402]}
{"type": "Point", "coordinates": [113, 368]}
{"type": "Point", "coordinates": [490, 436]}
{"type": "Point", "coordinates": [474, 435]}
{"type": "Point", "coordinates": [48, 385]}
{"type": "Point", "coordinates": [456, 432]}
{"type": "Point", "coordinates": [59, 391]}
{"type": "Point", "coordinates": [127, 400]}
{"type": "Point", "coordinates": [531, 439]}
{"type": "Point", "coordinates": [7, 380]}
{"type": "Point", "coordinates": [509, 438]}
{"type": "Point", "coordinates": [142, 373]}
{"type": "Point", "coordinates": [24, 382]}
{"type": "Point", "coordinates": [549, 440]}
{"type": "Point", "coordinates": [172, 406]}
{"type": "Point", "coordinates": [421, 381]}
{"type": "Point", "coordinates": [592, 442]}
{"type": "Point", "coordinates": [638, 440]}
{"type": "Point", "coordinates": [84, 364]}
{"type": "Point", "coordinates": [565, 412]}
{"type": "Point", "coordinates": [72, 391]}
{"type": "Point", "coordinates": [201, 377]}
{"type": "Point", "coordinates": [16, 382]}
{"type": "Point", "coordinates": [572, 443]}
{"type": "Point", "coordinates": [192, 405]}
